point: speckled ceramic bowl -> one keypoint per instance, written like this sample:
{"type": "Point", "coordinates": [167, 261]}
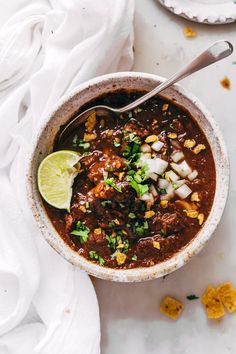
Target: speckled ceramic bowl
{"type": "Point", "coordinates": [65, 109]}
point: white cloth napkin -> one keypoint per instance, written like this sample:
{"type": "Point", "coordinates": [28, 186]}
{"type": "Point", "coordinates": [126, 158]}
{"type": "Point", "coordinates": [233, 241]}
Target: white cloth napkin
{"type": "Point", "coordinates": [47, 47]}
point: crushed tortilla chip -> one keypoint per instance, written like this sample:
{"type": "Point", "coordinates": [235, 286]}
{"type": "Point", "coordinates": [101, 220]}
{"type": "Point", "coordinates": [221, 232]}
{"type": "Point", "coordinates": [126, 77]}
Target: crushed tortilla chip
{"type": "Point", "coordinates": [199, 148]}
{"type": "Point", "coordinates": [192, 214]}
{"type": "Point", "coordinates": [156, 244]}
{"type": "Point", "coordinates": [226, 83]}
{"type": "Point", "coordinates": [189, 32]}
{"type": "Point", "coordinates": [90, 137]}
{"type": "Point", "coordinates": [165, 106]}
{"type": "Point", "coordinates": [227, 295]}
{"type": "Point", "coordinates": [200, 218]}
{"type": "Point", "coordinates": [172, 135]}
{"type": "Point", "coordinates": [189, 143]}
{"type": "Point", "coordinates": [151, 138]}
{"type": "Point", "coordinates": [195, 197]}
{"type": "Point", "coordinates": [213, 304]}
{"type": "Point", "coordinates": [164, 203]}
{"type": "Point", "coordinates": [149, 214]}
{"type": "Point", "coordinates": [121, 258]}
{"type": "Point", "coordinates": [90, 123]}
{"type": "Point", "coordinates": [171, 307]}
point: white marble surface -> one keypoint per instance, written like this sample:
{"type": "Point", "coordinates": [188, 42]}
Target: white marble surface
{"type": "Point", "coordinates": [131, 321]}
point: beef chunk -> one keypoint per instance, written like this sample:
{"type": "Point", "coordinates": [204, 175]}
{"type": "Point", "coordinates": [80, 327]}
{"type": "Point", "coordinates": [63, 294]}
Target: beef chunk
{"type": "Point", "coordinates": [136, 127]}
{"type": "Point", "coordinates": [169, 222]}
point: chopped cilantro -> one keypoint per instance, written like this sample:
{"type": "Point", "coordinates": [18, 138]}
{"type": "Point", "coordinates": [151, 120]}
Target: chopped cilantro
{"type": "Point", "coordinates": [82, 231]}
{"type": "Point", "coordinates": [162, 232]}
{"type": "Point", "coordinates": [121, 205]}
{"type": "Point", "coordinates": [140, 189]}
{"type": "Point", "coordinates": [111, 242]}
{"type": "Point", "coordinates": [134, 258]}
{"type": "Point", "coordinates": [131, 215]}
{"type": "Point", "coordinates": [110, 182]}
{"type": "Point", "coordinates": [192, 297]}
{"type": "Point", "coordinates": [87, 205]}
{"type": "Point", "coordinates": [85, 145]}
{"type": "Point", "coordinates": [116, 143]}
{"type": "Point", "coordinates": [94, 255]}
{"type": "Point", "coordinates": [106, 202]}
{"type": "Point", "coordinates": [141, 227]}
{"type": "Point", "coordinates": [162, 190]}
{"type": "Point", "coordinates": [126, 245]}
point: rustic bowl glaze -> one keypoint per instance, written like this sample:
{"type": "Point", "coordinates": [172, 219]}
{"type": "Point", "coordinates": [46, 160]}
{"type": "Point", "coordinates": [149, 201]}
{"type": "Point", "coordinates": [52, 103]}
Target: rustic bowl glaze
{"type": "Point", "coordinates": [65, 109]}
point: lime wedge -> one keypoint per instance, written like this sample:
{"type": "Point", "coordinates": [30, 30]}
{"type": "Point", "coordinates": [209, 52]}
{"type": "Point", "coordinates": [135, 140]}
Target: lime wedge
{"type": "Point", "coordinates": [56, 175]}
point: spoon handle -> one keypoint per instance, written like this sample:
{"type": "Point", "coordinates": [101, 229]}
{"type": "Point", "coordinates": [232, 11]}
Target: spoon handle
{"type": "Point", "coordinates": [216, 52]}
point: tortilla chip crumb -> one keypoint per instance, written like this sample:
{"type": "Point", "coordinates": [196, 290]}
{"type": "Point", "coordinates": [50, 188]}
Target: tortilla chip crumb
{"type": "Point", "coordinates": [90, 123]}
{"type": "Point", "coordinates": [213, 304]}
{"type": "Point", "coordinates": [171, 307]}
{"type": "Point", "coordinates": [156, 244]}
{"type": "Point", "coordinates": [226, 83]}
{"type": "Point", "coordinates": [90, 137]}
{"type": "Point", "coordinates": [199, 148]}
{"type": "Point", "coordinates": [121, 258]}
{"type": "Point", "coordinates": [189, 32]}
{"type": "Point", "coordinates": [227, 295]}
{"type": "Point", "coordinates": [189, 143]}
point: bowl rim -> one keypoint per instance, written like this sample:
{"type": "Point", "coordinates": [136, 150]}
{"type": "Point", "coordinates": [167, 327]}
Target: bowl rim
{"type": "Point", "coordinates": [135, 274]}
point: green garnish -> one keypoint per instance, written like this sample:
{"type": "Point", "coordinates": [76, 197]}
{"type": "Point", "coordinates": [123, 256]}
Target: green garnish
{"type": "Point", "coordinates": [141, 227]}
{"type": "Point", "coordinates": [112, 241]}
{"type": "Point", "coordinates": [134, 258]}
{"type": "Point", "coordinates": [106, 202]}
{"type": "Point", "coordinates": [94, 255]}
{"type": "Point", "coordinates": [140, 189]}
{"type": "Point", "coordinates": [126, 245]}
{"type": "Point", "coordinates": [87, 205]}
{"type": "Point", "coordinates": [85, 145]}
{"type": "Point", "coordinates": [132, 150]}
{"type": "Point", "coordinates": [234, 62]}
{"type": "Point", "coordinates": [131, 215]}
{"type": "Point", "coordinates": [116, 143]}
{"type": "Point", "coordinates": [162, 190]}
{"type": "Point", "coordinates": [110, 182]}
{"type": "Point", "coordinates": [192, 297]}
{"type": "Point", "coordinates": [130, 114]}
{"type": "Point", "coordinates": [82, 231]}
{"type": "Point", "coordinates": [162, 232]}
{"type": "Point", "coordinates": [121, 205]}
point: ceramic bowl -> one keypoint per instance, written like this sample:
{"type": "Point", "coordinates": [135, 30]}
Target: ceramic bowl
{"type": "Point", "coordinates": [65, 110]}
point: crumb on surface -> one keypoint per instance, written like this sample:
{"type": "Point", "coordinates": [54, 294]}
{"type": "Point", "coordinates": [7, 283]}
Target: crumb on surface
{"type": "Point", "coordinates": [171, 307]}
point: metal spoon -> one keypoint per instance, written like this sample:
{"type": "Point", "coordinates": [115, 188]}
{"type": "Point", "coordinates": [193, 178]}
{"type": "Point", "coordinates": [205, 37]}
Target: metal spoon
{"type": "Point", "coordinates": [216, 52]}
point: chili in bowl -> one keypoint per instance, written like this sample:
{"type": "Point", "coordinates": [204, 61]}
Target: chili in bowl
{"type": "Point", "coordinates": [150, 187]}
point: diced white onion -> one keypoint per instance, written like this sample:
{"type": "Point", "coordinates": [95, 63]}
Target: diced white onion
{"type": "Point", "coordinates": [152, 175]}
{"type": "Point", "coordinates": [183, 169]}
{"type": "Point", "coordinates": [193, 175]}
{"type": "Point", "coordinates": [157, 145]}
{"type": "Point", "coordinates": [164, 197]}
{"type": "Point", "coordinates": [163, 183]}
{"type": "Point", "coordinates": [173, 176]}
{"type": "Point", "coordinates": [147, 197]}
{"type": "Point", "coordinates": [183, 192]}
{"type": "Point", "coordinates": [153, 191]}
{"type": "Point", "coordinates": [156, 165]}
{"type": "Point", "coordinates": [177, 156]}
{"type": "Point", "coordinates": [180, 182]}
{"type": "Point", "coordinates": [170, 191]}
{"type": "Point", "coordinates": [146, 148]}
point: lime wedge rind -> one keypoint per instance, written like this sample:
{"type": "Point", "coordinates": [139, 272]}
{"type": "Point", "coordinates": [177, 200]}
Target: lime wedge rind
{"type": "Point", "coordinates": [56, 175]}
